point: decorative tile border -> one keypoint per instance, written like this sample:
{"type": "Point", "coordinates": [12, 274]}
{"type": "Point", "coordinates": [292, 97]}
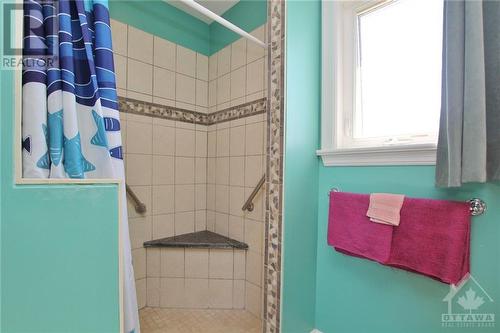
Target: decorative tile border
{"type": "Point", "coordinates": [129, 105]}
{"type": "Point", "coordinates": [237, 112]}
{"type": "Point", "coordinates": [274, 171]}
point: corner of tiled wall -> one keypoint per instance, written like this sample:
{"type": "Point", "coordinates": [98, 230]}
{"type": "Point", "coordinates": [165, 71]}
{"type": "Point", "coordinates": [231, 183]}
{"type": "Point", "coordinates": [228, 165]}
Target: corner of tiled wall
{"type": "Point", "coordinates": [155, 70]}
{"type": "Point", "coordinates": [196, 278]}
{"type": "Point", "coordinates": [165, 160]}
{"type": "Point", "coordinates": [236, 156]}
{"type": "Point", "coordinates": [237, 73]}
{"type": "Point", "coordinates": [236, 160]}
{"type": "Point", "coordinates": [193, 177]}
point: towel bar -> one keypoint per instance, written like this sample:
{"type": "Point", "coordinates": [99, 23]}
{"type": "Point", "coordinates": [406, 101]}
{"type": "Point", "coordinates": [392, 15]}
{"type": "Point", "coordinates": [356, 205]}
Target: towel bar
{"type": "Point", "coordinates": [477, 206]}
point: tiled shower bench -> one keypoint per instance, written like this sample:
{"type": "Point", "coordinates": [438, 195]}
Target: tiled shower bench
{"type": "Point", "coordinates": [196, 270]}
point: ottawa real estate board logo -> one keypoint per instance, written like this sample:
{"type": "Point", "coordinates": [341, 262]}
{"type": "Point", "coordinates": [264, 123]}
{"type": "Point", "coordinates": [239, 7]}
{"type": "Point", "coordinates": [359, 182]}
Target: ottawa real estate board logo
{"type": "Point", "coordinates": [469, 306]}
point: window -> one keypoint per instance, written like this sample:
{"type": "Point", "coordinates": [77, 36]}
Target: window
{"type": "Point", "coordinates": [381, 81]}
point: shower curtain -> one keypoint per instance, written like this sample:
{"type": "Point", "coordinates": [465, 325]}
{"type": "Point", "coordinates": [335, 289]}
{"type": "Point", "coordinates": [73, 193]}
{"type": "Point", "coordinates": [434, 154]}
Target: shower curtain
{"type": "Point", "coordinates": [70, 118]}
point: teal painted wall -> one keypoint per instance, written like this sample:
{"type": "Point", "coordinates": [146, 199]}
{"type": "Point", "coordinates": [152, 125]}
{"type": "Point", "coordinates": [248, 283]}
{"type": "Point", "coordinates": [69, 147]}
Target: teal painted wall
{"type": "Point", "coordinates": [59, 247]}
{"type": "Point", "coordinates": [246, 14]}
{"type": "Point", "coordinates": [355, 295]}
{"type": "Point", "coordinates": [1, 150]}
{"type": "Point", "coordinates": [163, 20]}
{"type": "Point", "coordinates": [301, 165]}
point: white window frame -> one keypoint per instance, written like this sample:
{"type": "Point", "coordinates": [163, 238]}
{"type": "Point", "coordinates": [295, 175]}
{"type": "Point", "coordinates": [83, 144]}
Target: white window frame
{"type": "Point", "coordinates": [337, 100]}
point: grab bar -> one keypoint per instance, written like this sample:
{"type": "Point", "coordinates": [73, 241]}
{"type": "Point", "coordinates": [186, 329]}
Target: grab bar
{"type": "Point", "coordinates": [249, 203]}
{"type": "Point", "coordinates": [138, 205]}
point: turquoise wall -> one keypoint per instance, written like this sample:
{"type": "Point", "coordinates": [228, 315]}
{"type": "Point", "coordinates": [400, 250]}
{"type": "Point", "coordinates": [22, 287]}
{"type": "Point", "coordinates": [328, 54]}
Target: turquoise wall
{"type": "Point", "coordinates": [163, 20]}
{"type": "Point", "coordinates": [1, 149]}
{"type": "Point", "coordinates": [303, 46]}
{"type": "Point", "coordinates": [246, 14]}
{"type": "Point", "coordinates": [355, 295]}
{"type": "Point", "coordinates": [59, 244]}
{"type": "Point", "coordinates": [59, 247]}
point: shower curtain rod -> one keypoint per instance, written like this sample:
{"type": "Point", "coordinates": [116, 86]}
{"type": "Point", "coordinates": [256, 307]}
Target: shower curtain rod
{"type": "Point", "coordinates": [208, 13]}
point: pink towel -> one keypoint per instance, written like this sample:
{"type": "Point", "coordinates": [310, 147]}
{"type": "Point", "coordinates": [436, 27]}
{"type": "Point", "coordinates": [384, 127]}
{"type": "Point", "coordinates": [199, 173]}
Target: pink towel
{"type": "Point", "coordinates": [433, 237]}
{"type": "Point", "coordinates": [350, 230]}
{"type": "Point", "coordinates": [385, 208]}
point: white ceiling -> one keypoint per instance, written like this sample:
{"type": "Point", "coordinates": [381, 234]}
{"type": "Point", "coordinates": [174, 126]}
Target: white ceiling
{"type": "Point", "coordinates": [219, 7]}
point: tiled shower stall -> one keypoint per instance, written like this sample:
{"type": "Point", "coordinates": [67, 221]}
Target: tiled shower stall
{"type": "Point", "coordinates": [194, 131]}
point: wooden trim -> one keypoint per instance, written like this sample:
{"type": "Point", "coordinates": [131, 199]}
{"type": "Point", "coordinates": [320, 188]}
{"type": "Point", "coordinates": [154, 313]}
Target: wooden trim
{"type": "Point", "coordinates": [399, 155]}
{"type": "Point", "coordinates": [17, 149]}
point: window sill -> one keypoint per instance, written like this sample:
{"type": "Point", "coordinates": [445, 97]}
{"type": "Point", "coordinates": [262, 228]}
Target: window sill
{"type": "Point", "coordinates": [64, 181]}
{"type": "Point", "coordinates": [421, 154]}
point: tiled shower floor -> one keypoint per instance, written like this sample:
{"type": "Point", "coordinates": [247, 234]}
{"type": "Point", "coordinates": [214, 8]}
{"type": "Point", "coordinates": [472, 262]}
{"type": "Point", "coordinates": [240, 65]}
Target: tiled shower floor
{"type": "Point", "coordinates": [159, 320]}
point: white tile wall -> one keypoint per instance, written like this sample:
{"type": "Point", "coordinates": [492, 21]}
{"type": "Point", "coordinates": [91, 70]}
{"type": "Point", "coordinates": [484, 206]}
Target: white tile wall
{"type": "Point", "coordinates": [185, 222]}
{"type": "Point", "coordinates": [238, 53]}
{"type": "Point", "coordinates": [236, 157]}
{"type": "Point", "coordinates": [197, 263]}
{"type": "Point", "coordinates": [254, 51]}
{"type": "Point", "coordinates": [191, 177]}
{"type": "Point", "coordinates": [237, 73]}
{"type": "Point", "coordinates": [196, 293]}
{"type": "Point", "coordinates": [221, 264]}
{"type": "Point", "coordinates": [196, 278]}
{"type": "Point", "coordinates": [201, 67]}
{"type": "Point", "coordinates": [139, 77]}
{"type": "Point", "coordinates": [185, 89]}
{"type": "Point", "coordinates": [235, 164]}
{"type": "Point", "coordinates": [140, 45]}
{"type": "Point", "coordinates": [164, 83]}
{"type": "Point", "coordinates": [119, 37]}
{"type": "Point", "coordinates": [186, 61]}
{"type": "Point", "coordinates": [162, 169]}
{"type": "Point", "coordinates": [163, 226]}
{"type": "Point", "coordinates": [164, 53]}
{"type": "Point", "coordinates": [152, 69]}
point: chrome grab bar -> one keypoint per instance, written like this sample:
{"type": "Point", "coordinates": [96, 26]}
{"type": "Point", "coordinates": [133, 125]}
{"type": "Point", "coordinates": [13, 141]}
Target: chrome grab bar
{"type": "Point", "coordinates": [249, 203]}
{"type": "Point", "coordinates": [138, 205]}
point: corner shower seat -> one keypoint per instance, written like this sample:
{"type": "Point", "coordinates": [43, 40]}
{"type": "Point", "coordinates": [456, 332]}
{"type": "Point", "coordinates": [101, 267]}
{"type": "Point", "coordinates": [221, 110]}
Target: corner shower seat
{"type": "Point", "coordinates": [200, 239]}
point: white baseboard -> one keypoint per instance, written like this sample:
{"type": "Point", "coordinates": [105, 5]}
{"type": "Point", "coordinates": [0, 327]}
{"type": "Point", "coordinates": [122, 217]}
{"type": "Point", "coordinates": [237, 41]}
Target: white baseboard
{"type": "Point", "coordinates": [316, 331]}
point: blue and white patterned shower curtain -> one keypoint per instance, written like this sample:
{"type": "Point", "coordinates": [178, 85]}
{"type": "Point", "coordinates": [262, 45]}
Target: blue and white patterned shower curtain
{"type": "Point", "coordinates": [70, 121]}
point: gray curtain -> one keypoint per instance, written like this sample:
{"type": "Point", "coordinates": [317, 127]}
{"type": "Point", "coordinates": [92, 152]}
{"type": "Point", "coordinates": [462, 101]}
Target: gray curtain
{"type": "Point", "coordinates": [469, 133]}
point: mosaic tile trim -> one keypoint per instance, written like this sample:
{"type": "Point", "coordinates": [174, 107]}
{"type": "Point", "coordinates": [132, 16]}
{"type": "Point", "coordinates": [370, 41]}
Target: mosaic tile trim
{"type": "Point", "coordinates": [274, 171]}
{"type": "Point", "coordinates": [129, 105]}
{"type": "Point", "coordinates": [237, 112]}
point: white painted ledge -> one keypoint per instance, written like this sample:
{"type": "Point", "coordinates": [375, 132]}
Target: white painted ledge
{"type": "Point", "coordinates": [421, 154]}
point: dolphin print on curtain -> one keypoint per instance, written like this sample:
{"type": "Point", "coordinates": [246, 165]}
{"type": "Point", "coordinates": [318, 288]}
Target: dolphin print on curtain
{"type": "Point", "coordinates": [70, 118]}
